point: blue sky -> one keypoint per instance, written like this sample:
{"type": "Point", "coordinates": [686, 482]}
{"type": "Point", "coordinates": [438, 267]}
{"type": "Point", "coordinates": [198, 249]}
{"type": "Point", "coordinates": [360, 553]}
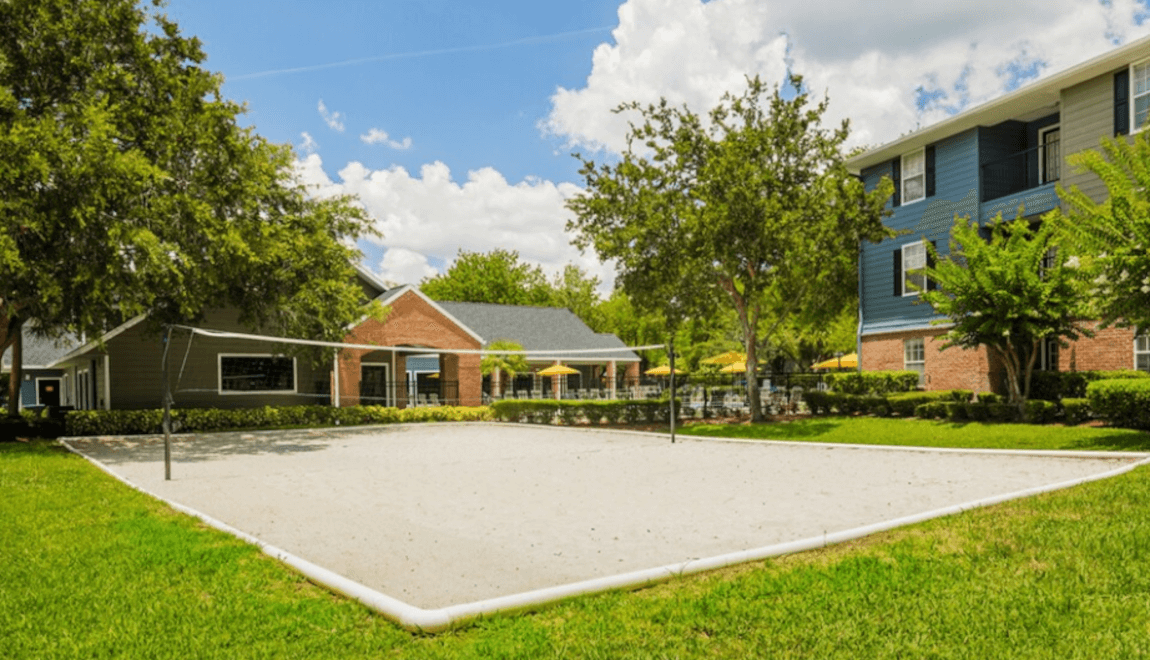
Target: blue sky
{"type": "Point", "coordinates": [483, 102]}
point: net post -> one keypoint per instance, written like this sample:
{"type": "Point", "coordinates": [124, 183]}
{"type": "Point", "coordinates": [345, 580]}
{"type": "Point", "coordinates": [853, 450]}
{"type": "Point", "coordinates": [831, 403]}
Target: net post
{"type": "Point", "coordinates": [335, 383]}
{"type": "Point", "coordinates": [671, 352]}
{"type": "Point", "coordinates": [167, 423]}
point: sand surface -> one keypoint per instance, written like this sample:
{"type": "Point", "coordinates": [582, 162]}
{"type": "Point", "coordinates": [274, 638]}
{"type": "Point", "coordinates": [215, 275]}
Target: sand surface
{"type": "Point", "coordinates": [438, 514]}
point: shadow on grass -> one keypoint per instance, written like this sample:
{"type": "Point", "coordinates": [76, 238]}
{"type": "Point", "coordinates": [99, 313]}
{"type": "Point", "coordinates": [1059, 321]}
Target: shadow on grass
{"type": "Point", "coordinates": [1119, 441]}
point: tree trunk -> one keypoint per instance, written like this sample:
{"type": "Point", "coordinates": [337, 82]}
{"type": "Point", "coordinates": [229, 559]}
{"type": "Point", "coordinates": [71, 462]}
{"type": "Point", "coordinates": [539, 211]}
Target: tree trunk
{"type": "Point", "coordinates": [16, 375]}
{"type": "Point", "coordinates": [753, 382]}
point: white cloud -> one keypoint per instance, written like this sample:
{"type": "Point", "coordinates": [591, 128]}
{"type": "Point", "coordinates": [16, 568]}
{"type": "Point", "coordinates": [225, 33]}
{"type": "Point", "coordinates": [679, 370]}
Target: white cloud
{"type": "Point", "coordinates": [334, 120]}
{"type": "Point", "coordinates": [309, 145]}
{"type": "Point", "coordinates": [404, 266]}
{"type": "Point", "coordinates": [380, 136]}
{"type": "Point", "coordinates": [433, 216]}
{"type": "Point", "coordinates": [872, 62]}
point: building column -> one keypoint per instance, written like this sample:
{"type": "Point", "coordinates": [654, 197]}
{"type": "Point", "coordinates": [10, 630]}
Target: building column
{"type": "Point", "coordinates": [611, 394]}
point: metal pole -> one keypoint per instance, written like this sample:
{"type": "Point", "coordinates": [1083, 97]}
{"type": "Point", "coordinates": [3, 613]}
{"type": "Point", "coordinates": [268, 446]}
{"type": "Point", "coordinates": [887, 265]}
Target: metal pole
{"type": "Point", "coordinates": [167, 423]}
{"type": "Point", "coordinates": [671, 352]}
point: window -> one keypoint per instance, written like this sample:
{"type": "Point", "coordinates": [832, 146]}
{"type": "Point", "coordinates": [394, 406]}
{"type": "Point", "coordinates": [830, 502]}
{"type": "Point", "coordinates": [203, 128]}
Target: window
{"type": "Point", "coordinates": [1142, 353]}
{"type": "Point", "coordinates": [1048, 355]}
{"type": "Point", "coordinates": [256, 374]}
{"type": "Point", "coordinates": [1140, 93]}
{"type": "Point", "coordinates": [1049, 156]}
{"type": "Point", "coordinates": [913, 263]}
{"type": "Point", "coordinates": [913, 177]}
{"type": "Point", "coordinates": [914, 356]}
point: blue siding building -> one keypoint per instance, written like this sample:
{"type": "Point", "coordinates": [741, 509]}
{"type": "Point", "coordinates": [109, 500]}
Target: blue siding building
{"type": "Point", "coordinates": [1004, 157]}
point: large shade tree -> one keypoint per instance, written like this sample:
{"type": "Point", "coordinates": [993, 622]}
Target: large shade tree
{"type": "Point", "coordinates": [128, 187]}
{"type": "Point", "coordinates": [753, 201]}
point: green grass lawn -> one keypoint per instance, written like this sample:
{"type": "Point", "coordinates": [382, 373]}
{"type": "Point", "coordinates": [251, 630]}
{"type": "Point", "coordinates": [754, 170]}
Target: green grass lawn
{"type": "Point", "coordinates": [922, 433]}
{"type": "Point", "coordinates": [91, 568]}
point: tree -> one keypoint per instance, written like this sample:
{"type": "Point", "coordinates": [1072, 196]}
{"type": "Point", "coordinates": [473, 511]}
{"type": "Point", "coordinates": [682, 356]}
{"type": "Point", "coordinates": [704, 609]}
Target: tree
{"type": "Point", "coordinates": [493, 277]}
{"type": "Point", "coordinates": [573, 289]}
{"type": "Point", "coordinates": [1009, 293]}
{"type": "Point", "coordinates": [1111, 239]}
{"type": "Point", "coordinates": [127, 187]}
{"type": "Point", "coordinates": [496, 364]}
{"type": "Point", "coordinates": [756, 203]}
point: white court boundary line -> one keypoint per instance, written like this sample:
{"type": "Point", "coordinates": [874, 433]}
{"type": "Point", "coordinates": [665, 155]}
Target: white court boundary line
{"type": "Point", "coordinates": [416, 619]}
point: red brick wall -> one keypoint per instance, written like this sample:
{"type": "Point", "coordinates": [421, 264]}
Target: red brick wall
{"type": "Point", "coordinates": [955, 368]}
{"type": "Point", "coordinates": [413, 322]}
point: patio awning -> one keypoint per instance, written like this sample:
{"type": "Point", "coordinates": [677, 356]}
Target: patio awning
{"type": "Point", "coordinates": [664, 370]}
{"type": "Point", "coordinates": [848, 361]}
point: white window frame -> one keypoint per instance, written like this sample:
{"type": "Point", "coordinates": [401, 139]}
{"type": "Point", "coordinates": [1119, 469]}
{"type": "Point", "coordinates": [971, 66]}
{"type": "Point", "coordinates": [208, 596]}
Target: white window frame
{"type": "Point", "coordinates": [1042, 178]}
{"type": "Point", "coordinates": [1145, 340]}
{"type": "Point", "coordinates": [921, 153]}
{"type": "Point", "coordinates": [59, 388]}
{"type": "Point", "coordinates": [908, 364]}
{"type": "Point", "coordinates": [1134, 128]}
{"type": "Point", "coordinates": [906, 291]}
{"type": "Point", "coordinates": [220, 374]}
{"type": "Point", "coordinates": [388, 394]}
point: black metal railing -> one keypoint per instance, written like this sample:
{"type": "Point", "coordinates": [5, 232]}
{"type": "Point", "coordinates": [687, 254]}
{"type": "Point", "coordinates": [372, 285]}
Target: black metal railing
{"type": "Point", "coordinates": [405, 394]}
{"type": "Point", "coordinates": [1017, 172]}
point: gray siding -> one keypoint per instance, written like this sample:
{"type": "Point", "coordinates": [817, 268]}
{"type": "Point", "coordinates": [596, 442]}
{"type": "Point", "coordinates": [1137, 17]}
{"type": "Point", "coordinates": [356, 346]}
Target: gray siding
{"type": "Point", "coordinates": [956, 181]}
{"type": "Point", "coordinates": [1087, 117]}
{"type": "Point", "coordinates": [136, 358]}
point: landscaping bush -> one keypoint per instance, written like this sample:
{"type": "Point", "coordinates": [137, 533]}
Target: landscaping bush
{"type": "Point", "coordinates": [876, 405]}
{"type": "Point", "coordinates": [204, 420]}
{"type": "Point", "coordinates": [817, 402]}
{"type": "Point", "coordinates": [989, 397]}
{"type": "Point", "coordinates": [978, 411]}
{"type": "Point", "coordinates": [1003, 412]}
{"type": "Point", "coordinates": [1075, 411]}
{"type": "Point", "coordinates": [1123, 403]}
{"type": "Point", "coordinates": [931, 410]}
{"type": "Point", "coordinates": [1041, 412]}
{"type": "Point", "coordinates": [873, 382]}
{"type": "Point", "coordinates": [1046, 385]}
{"type": "Point", "coordinates": [955, 411]}
{"type": "Point", "coordinates": [1075, 382]}
{"type": "Point", "coordinates": [961, 396]}
{"type": "Point", "coordinates": [905, 404]}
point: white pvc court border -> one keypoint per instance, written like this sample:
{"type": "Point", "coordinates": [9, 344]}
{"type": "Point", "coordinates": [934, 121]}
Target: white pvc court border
{"type": "Point", "coordinates": [416, 619]}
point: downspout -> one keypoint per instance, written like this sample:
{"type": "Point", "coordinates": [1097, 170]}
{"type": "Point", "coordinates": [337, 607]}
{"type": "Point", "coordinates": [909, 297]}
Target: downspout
{"type": "Point", "coordinates": [107, 382]}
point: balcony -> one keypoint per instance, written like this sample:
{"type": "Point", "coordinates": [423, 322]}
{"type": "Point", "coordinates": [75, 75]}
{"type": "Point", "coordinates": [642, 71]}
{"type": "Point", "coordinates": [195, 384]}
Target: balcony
{"type": "Point", "coordinates": [1021, 171]}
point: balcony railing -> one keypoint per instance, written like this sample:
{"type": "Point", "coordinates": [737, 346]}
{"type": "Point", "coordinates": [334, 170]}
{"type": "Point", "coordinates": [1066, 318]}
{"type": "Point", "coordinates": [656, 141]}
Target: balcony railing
{"type": "Point", "coordinates": [1021, 171]}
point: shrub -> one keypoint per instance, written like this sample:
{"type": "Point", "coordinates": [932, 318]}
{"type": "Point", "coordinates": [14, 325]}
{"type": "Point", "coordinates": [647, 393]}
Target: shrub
{"type": "Point", "coordinates": [955, 411]}
{"type": "Point", "coordinates": [961, 396]}
{"type": "Point", "coordinates": [989, 397]}
{"type": "Point", "coordinates": [873, 382]}
{"type": "Point", "coordinates": [1075, 411]}
{"type": "Point", "coordinates": [1046, 385]}
{"type": "Point", "coordinates": [931, 410]}
{"type": "Point", "coordinates": [818, 402]}
{"type": "Point", "coordinates": [978, 412]}
{"type": "Point", "coordinates": [1121, 402]}
{"type": "Point", "coordinates": [1003, 412]}
{"type": "Point", "coordinates": [204, 420]}
{"type": "Point", "coordinates": [1041, 412]}
{"type": "Point", "coordinates": [876, 405]}
{"type": "Point", "coordinates": [905, 404]}
{"type": "Point", "coordinates": [1075, 382]}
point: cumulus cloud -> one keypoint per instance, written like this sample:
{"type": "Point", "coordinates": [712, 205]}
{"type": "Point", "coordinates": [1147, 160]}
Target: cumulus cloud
{"type": "Point", "coordinates": [888, 71]}
{"type": "Point", "coordinates": [308, 145]}
{"type": "Point", "coordinates": [379, 136]}
{"type": "Point", "coordinates": [334, 120]}
{"type": "Point", "coordinates": [430, 215]}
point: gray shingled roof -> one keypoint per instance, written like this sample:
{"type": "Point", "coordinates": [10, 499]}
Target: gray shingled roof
{"type": "Point", "coordinates": [39, 352]}
{"type": "Point", "coordinates": [535, 328]}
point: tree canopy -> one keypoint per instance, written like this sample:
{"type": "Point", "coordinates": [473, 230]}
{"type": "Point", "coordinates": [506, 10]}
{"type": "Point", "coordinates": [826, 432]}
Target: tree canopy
{"type": "Point", "coordinates": [497, 277]}
{"type": "Point", "coordinates": [754, 205]}
{"type": "Point", "coordinates": [128, 187]}
{"type": "Point", "coordinates": [1009, 293]}
{"type": "Point", "coordinates": [1111, 239]}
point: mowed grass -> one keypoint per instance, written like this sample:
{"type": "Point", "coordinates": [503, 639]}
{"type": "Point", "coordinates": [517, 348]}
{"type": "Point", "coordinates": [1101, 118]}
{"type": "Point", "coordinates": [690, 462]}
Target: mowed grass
{"type": "Point", "coordinates": [90, 568]}
{"type": "Point", "coordinates": [923, 433]}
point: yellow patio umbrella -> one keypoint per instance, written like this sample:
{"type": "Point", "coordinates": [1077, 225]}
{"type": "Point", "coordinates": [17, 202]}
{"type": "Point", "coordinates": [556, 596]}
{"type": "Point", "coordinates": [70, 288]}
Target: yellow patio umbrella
{"type": "Point", "coordinates": [735, 368]}
{"type": "Point", "coordinates": [558, 370]}
{"type": "Point", "coordinates": [848, 361]}
{"type": "Point", "coordinates": [730, 357]}
{"type": "Point", "coordinates": [664, 370]}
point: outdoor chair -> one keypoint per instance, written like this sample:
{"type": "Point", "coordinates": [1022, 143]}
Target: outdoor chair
{"type": "Point", "coordinates": [421, 399]}
{"type": "Point", "coordinates": [434, 399]}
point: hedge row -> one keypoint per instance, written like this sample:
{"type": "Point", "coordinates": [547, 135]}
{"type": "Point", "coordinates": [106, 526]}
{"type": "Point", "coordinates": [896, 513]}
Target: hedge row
{"type": "Point", "coordinates": [955, 405]}
{"type": "Point", "coordinates": [546, 411]}
{"type": "Point", "coordinates": [1057, 385]}
{"type": "Point", "coordinates": [1122, 402]}
{"type": "Point", "coordinates": [200, 420]}
{"type": "Point", "coordinates": [872, 382]}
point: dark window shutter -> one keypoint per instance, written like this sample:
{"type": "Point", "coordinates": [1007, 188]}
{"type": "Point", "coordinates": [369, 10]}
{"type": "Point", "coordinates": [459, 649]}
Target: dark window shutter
{"type": "Point", "coordinates": [898, 272]}
{"type": "Point", "coordinates": [931, 285]}
{"type": "Point", "coordinates": [930, 171]}
{"type": "Point", "coordinates": [1122, 102]}
{"type": "Point", "coordinates": [896, 175]}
